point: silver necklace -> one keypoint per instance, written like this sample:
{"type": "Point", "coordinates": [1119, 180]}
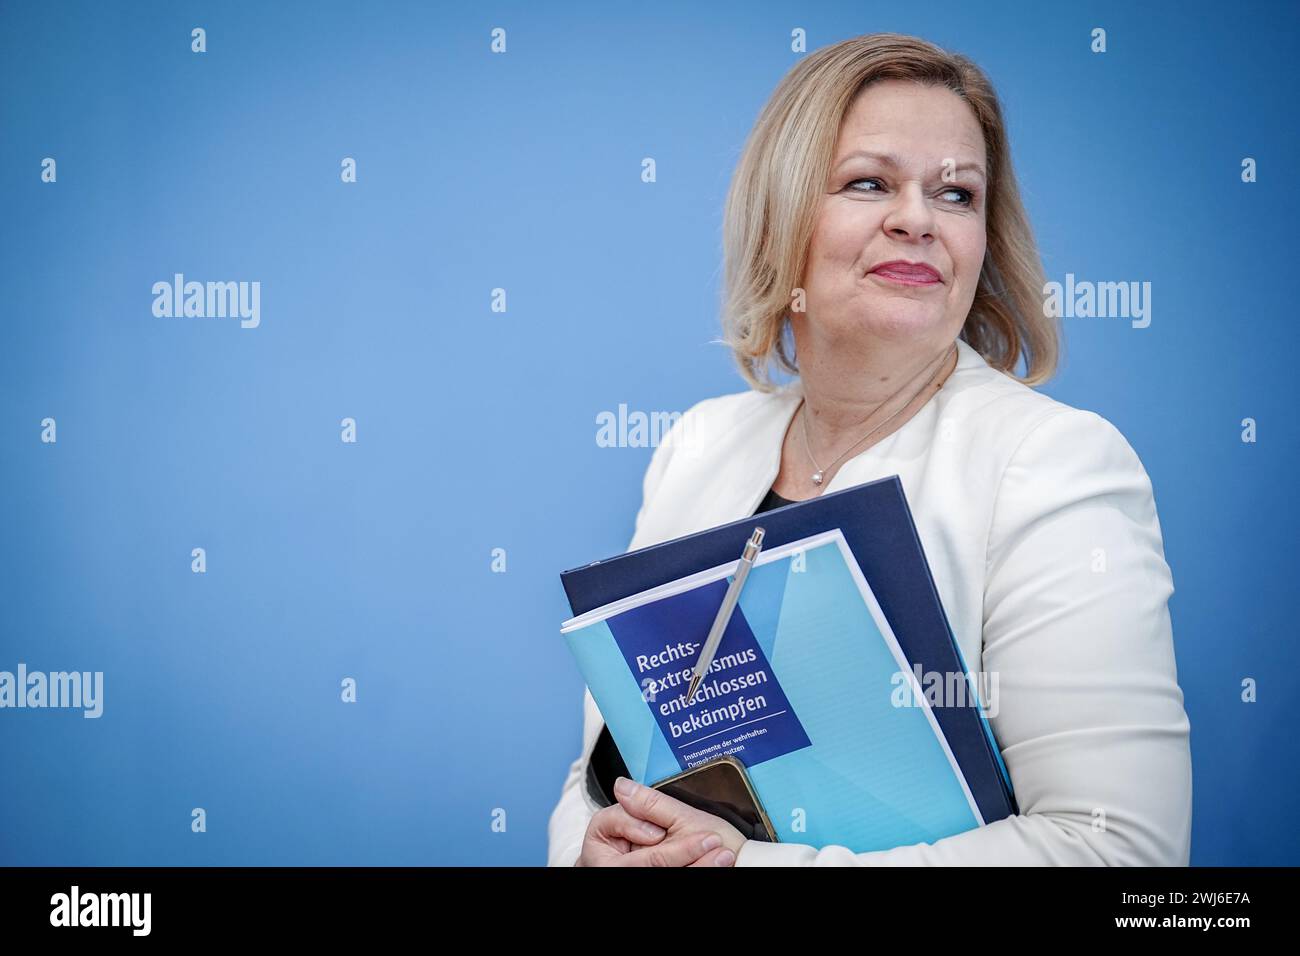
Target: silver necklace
{"type": "Point", "coordinates": [819, 475]}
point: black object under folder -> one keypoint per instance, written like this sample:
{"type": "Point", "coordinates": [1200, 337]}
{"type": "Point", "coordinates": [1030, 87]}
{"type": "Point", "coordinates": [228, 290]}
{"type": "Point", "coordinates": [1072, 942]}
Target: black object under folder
{"type": "Point", "coordinates": [877, 526]}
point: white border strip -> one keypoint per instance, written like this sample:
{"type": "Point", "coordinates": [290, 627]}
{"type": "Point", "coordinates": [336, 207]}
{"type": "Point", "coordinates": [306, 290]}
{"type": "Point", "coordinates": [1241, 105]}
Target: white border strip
{"type": "Point", "coordinates": [693, 581]}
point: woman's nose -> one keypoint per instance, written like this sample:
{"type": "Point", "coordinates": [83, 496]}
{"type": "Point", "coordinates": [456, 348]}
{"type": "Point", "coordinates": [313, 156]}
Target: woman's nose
{"type": "Point", "coordinates": [909, 215]}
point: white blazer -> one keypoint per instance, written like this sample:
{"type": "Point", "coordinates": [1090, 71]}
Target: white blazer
{"type": "Point", "coordinates": [1040, 528]}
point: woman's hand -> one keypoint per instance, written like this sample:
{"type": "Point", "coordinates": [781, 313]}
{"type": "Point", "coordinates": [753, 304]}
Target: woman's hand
{"type": "Point", "coordinates": [677, 819]}
{"type": "Point", "coordinates": [616, 838]}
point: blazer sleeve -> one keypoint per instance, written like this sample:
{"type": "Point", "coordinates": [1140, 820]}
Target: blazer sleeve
{"type": "Point", "coordinates": [568, 821]}
{"type": "Point", "coordinates": [1077, 634]}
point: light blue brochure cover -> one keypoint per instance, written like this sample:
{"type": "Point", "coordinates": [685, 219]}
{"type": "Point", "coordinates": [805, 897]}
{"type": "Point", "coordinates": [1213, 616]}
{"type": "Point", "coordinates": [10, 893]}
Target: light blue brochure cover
{"type": "Point", "coordinates": [809, 689]}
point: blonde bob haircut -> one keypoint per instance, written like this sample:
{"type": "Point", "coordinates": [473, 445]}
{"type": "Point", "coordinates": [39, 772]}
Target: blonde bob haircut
{"type": "Point", "coordinates": [776, 191]}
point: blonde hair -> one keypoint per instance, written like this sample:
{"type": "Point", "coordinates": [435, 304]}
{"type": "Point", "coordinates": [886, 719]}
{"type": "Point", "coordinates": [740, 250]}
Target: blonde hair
{"type": "Point", "coordinates": [774, 198]}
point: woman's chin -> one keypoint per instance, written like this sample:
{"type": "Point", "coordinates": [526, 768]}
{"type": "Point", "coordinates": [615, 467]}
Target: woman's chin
{"type": "Point", "coordinates": [902, 324]}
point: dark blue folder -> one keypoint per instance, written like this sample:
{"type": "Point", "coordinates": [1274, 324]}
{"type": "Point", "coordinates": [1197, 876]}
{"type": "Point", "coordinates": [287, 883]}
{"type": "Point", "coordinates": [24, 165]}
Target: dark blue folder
{"type": "Point", "coordinates": [877, 525]}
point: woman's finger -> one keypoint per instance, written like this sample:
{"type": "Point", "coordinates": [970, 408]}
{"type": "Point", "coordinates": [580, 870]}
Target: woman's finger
{"type": "Point", "coordinates": [647, 803]}
{"type": "Point", "coordinates": [676, 851]}
{"type": "Point", "coordinates": [722, 856]}
{"type": "Point", "coordinates": [615, 821]}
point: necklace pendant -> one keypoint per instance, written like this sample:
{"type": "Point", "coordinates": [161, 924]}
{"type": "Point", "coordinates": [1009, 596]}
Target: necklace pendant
{"type": "Point", "coordinates": [817, 478]}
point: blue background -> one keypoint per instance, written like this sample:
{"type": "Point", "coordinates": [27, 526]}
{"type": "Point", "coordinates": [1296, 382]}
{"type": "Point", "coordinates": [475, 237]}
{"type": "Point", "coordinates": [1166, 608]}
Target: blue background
{"type": "Point", "coordinates": [476, 430]}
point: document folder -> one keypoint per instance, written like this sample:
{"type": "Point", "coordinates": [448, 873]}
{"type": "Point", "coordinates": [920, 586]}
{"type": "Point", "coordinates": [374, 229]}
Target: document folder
{"type": "Point", "coordinates": [814, 685]}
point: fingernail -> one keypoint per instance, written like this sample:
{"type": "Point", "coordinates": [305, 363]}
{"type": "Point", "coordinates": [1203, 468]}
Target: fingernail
{"type": "Point", "coordinates": [711, 842]}
{"type": "Point", "coordinates": [623, 786]}
{"type": "Point", "coordinates": [649, 829]}
{"type": "Point", "coordinates": [726, 858]}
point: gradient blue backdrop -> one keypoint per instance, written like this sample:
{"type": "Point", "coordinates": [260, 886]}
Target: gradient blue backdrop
{"type": "Point", "coordinates": [476, 430]}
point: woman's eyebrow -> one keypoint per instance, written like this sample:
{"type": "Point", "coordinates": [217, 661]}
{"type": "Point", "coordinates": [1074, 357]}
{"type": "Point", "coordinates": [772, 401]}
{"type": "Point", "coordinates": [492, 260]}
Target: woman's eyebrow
{"type": "Point", "coordinates": [889, 159]}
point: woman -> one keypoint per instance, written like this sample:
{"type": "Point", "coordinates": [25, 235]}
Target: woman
{"type": "Point", "coordinates": [877, 185]}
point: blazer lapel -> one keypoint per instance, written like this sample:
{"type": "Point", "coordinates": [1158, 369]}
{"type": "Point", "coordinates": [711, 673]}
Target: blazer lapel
{"type": "Point", "coordinates": [750, 460]}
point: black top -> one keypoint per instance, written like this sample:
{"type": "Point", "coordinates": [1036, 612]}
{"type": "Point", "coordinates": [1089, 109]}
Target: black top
{"type": "Point", "coordinates": [773, 500]}
{"type": "Point", "coordinates": [606, 762]}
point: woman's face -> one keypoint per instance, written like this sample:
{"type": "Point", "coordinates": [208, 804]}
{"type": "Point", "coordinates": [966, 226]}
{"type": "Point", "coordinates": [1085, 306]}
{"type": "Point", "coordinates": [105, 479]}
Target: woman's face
{"type": "Point", "coordinates": [907, 184]}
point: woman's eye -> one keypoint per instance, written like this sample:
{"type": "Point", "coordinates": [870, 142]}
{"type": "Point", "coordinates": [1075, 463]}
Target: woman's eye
{"type": "Point", "coordinates": [963, 197]}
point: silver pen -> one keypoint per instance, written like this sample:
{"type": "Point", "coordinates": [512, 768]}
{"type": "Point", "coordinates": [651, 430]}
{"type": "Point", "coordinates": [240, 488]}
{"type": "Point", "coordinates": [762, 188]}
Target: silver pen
{"type": "Point", "coordinates": [720, 622]}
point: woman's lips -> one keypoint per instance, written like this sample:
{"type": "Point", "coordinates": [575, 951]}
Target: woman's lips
{"type": "Point", "coordinates": [905, 273]}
